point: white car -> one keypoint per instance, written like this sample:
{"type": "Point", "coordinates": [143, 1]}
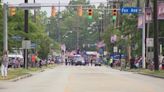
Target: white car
{"type": "Point", "coordinates": [79, 60]}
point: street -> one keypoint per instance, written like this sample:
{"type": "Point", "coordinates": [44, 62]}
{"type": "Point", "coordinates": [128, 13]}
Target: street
{"type": "Point", "coordinates": [84, 79]}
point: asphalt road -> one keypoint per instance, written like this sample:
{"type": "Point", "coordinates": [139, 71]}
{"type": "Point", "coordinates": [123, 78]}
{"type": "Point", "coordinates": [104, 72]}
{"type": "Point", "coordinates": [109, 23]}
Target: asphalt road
{"type": "Point", "coordinates": [84, 79]}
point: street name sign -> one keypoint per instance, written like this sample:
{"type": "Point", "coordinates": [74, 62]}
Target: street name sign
{"type": "Point", "coordinates": [130, 10]}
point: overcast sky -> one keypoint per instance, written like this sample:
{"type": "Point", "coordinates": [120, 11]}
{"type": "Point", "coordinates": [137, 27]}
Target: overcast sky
{"type": "Point", "coordinates": [48, 10]}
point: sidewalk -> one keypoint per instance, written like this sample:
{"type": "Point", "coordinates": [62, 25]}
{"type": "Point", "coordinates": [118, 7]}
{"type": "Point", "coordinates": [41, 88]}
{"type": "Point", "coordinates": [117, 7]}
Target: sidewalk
{"type": "Point", "coordinates": [157, 74]}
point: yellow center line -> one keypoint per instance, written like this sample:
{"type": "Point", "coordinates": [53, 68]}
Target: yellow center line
{"type": "Point", "coordinates": [67, 89]}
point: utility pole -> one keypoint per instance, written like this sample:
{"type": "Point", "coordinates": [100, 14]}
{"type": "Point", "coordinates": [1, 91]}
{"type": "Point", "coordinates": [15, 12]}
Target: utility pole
{"type": "Point", "coordinates": [26, 31]}
{"type": "Point", "coordinates": [34, 13]}
{"type": "Point", "coordinates": [78, 32]}
{"type": "Point", "coordinates": [156, 41]}
{"type": "Point", "coordinates": [147, 32]}
{"type": "Point", "coordinates": [5, 28]}
{"type": "Point", "coordinates": [99, 39]}
{"type": "Point", "coordinates": [138, 3]}
{"type": "Point", "coordinates": [121, 18]}
{"type": "Point", "coordinates": [143, 40]}
{"type": "Point", "coordinates": [58, 31]}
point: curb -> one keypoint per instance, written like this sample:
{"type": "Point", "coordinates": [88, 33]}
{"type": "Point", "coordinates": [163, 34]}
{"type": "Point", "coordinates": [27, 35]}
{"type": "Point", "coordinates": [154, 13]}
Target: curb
{"type": "Point", "coordinates": [151, 75]}
{"type": "Point", "coordinates": [21, 77]}
{"type": "Point", "coordinates": [25, 76]}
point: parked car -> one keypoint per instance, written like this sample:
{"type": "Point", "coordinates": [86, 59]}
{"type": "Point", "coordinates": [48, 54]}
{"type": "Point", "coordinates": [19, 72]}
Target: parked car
{"type": "Point", "coordinates": [97, 63]}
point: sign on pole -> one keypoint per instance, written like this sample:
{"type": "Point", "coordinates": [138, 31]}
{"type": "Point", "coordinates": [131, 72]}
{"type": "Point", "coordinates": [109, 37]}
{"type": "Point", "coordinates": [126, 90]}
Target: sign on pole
{"type": "Point", "coordinates": [148, 15]}
{"type": "Point", "coordinates": [115, 49]}
{"type": "Point", "coordinates": [141, 21]}
{"type": "Point", "coordinates": [28, 6]}
{"type": "Point", "coordinates": [26, 44]}
{"type": "Point", "coordinates": [160, 10]}
{"type": "Point", "coordinates": [149, 42]}
{"type": "Point", "coordinates": [130, 10]}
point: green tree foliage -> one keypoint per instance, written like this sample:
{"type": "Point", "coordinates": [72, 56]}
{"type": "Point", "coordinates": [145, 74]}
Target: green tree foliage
{"type": "Point", "coordinates": [36, 32]}
{"type": "Point", "coordinates": [70, 21]}
{"type": "Point", "coordinates": [132, 35]}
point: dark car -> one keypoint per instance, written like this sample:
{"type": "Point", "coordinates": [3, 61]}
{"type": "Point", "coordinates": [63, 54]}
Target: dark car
{"type": "Point", "coordinates": [97, 63]}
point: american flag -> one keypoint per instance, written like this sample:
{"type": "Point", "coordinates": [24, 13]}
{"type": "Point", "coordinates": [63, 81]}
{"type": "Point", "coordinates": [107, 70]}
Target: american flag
{"type": "Point", "coordinates": [100, 44]}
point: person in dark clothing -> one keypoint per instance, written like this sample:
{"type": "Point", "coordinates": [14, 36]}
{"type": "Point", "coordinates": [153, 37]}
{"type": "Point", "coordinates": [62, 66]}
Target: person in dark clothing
{"type": "Point", "coordinates": [40, 63]}
{"type": "Point", "coordinates": [91, 62]}
{"type": "Point", "coordinates": [163, 64]}
{"type": "Point", "coordinates": [66, 61]}
{"type": "Point", "coordinates": [132, 61]}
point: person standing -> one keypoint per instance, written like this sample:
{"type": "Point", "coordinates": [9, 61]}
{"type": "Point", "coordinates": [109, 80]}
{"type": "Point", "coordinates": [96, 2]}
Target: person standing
{"type": "Point", "coordinates": [123, 62]}
{"type": "Point", "coordinates": [111, 62]}
{"type": "Point", "coordinates": [4, 65]}
{"type": "Point", "coordinates": [163, 64]}
{"type": "Point", "coordinates": [33, 59]}
{"type": "Point", "coordinates": [91, 62]}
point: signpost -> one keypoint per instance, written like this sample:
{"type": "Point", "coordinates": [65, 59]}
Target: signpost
{"type": "Point", "coordinates": [130, 10]}
{"type": "Point", "coordinates": [115, 49]}
{"type": "Point", "coordinates": [26, 44]}
{"type": "Point", "coordinates": [149, 42]}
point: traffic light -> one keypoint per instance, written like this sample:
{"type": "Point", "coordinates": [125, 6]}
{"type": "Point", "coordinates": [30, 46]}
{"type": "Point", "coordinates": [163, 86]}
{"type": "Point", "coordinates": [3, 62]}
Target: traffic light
{"type": "Point", "coordinates": [12, 11]}
{"type": "Point", "coordinates": [53, 11]}
{"type": "Point", "coordinates": [114, 12]}
{"type": "Point", "coordinates": [90, 12]}
{"type": "Point", "coordinates": [80, 11]}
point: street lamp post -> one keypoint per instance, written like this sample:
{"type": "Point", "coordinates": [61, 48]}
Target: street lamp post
{"type": "Point", "coordinates": [67, 33]}
{"type": "Point", "coordinates": [65, 36]}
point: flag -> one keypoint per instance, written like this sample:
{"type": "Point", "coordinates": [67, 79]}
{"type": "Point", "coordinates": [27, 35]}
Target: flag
{"type": "Point", "coordinates": [63, 47]}
{"type": "Point", "coordinates": [160, 10]}
{"type": "Point", "coordinates": [113, 39]}
{"type": "Point", "coordinates": [148, 15]}
{"type": "Point", "coordinates": [100, 44]}
{"type": "Point", "coordinates": [140, 21]}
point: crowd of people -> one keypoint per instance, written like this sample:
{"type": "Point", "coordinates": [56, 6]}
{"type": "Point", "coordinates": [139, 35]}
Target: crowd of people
{"type": "Point", "coordinates": [35, 61]}
{"type": "Point", "coordinates": [133, 63]}
{"type": "Point", "coordinates": [17, 62]}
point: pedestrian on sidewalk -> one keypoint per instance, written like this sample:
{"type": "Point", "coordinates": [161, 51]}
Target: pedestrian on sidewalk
{"type": "Point", "coordinates": [163, 64]}
{"type": "Point", "coordinates": [4, 65]}
{"type": "Point", "coordinates": [91, 62]}
{"type": "Point", "coordinates": [132, 63]}
{"type": "Point", "coordinates": [111, 62]}
{"type": "Point", "coordinates": [123, 62]}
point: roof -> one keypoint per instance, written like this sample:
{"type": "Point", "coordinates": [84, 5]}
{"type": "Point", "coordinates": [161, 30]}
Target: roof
{"type": "Point", "coordinates": [91, 52]}
{"type": "Point", "coordinates": [15, 56]}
